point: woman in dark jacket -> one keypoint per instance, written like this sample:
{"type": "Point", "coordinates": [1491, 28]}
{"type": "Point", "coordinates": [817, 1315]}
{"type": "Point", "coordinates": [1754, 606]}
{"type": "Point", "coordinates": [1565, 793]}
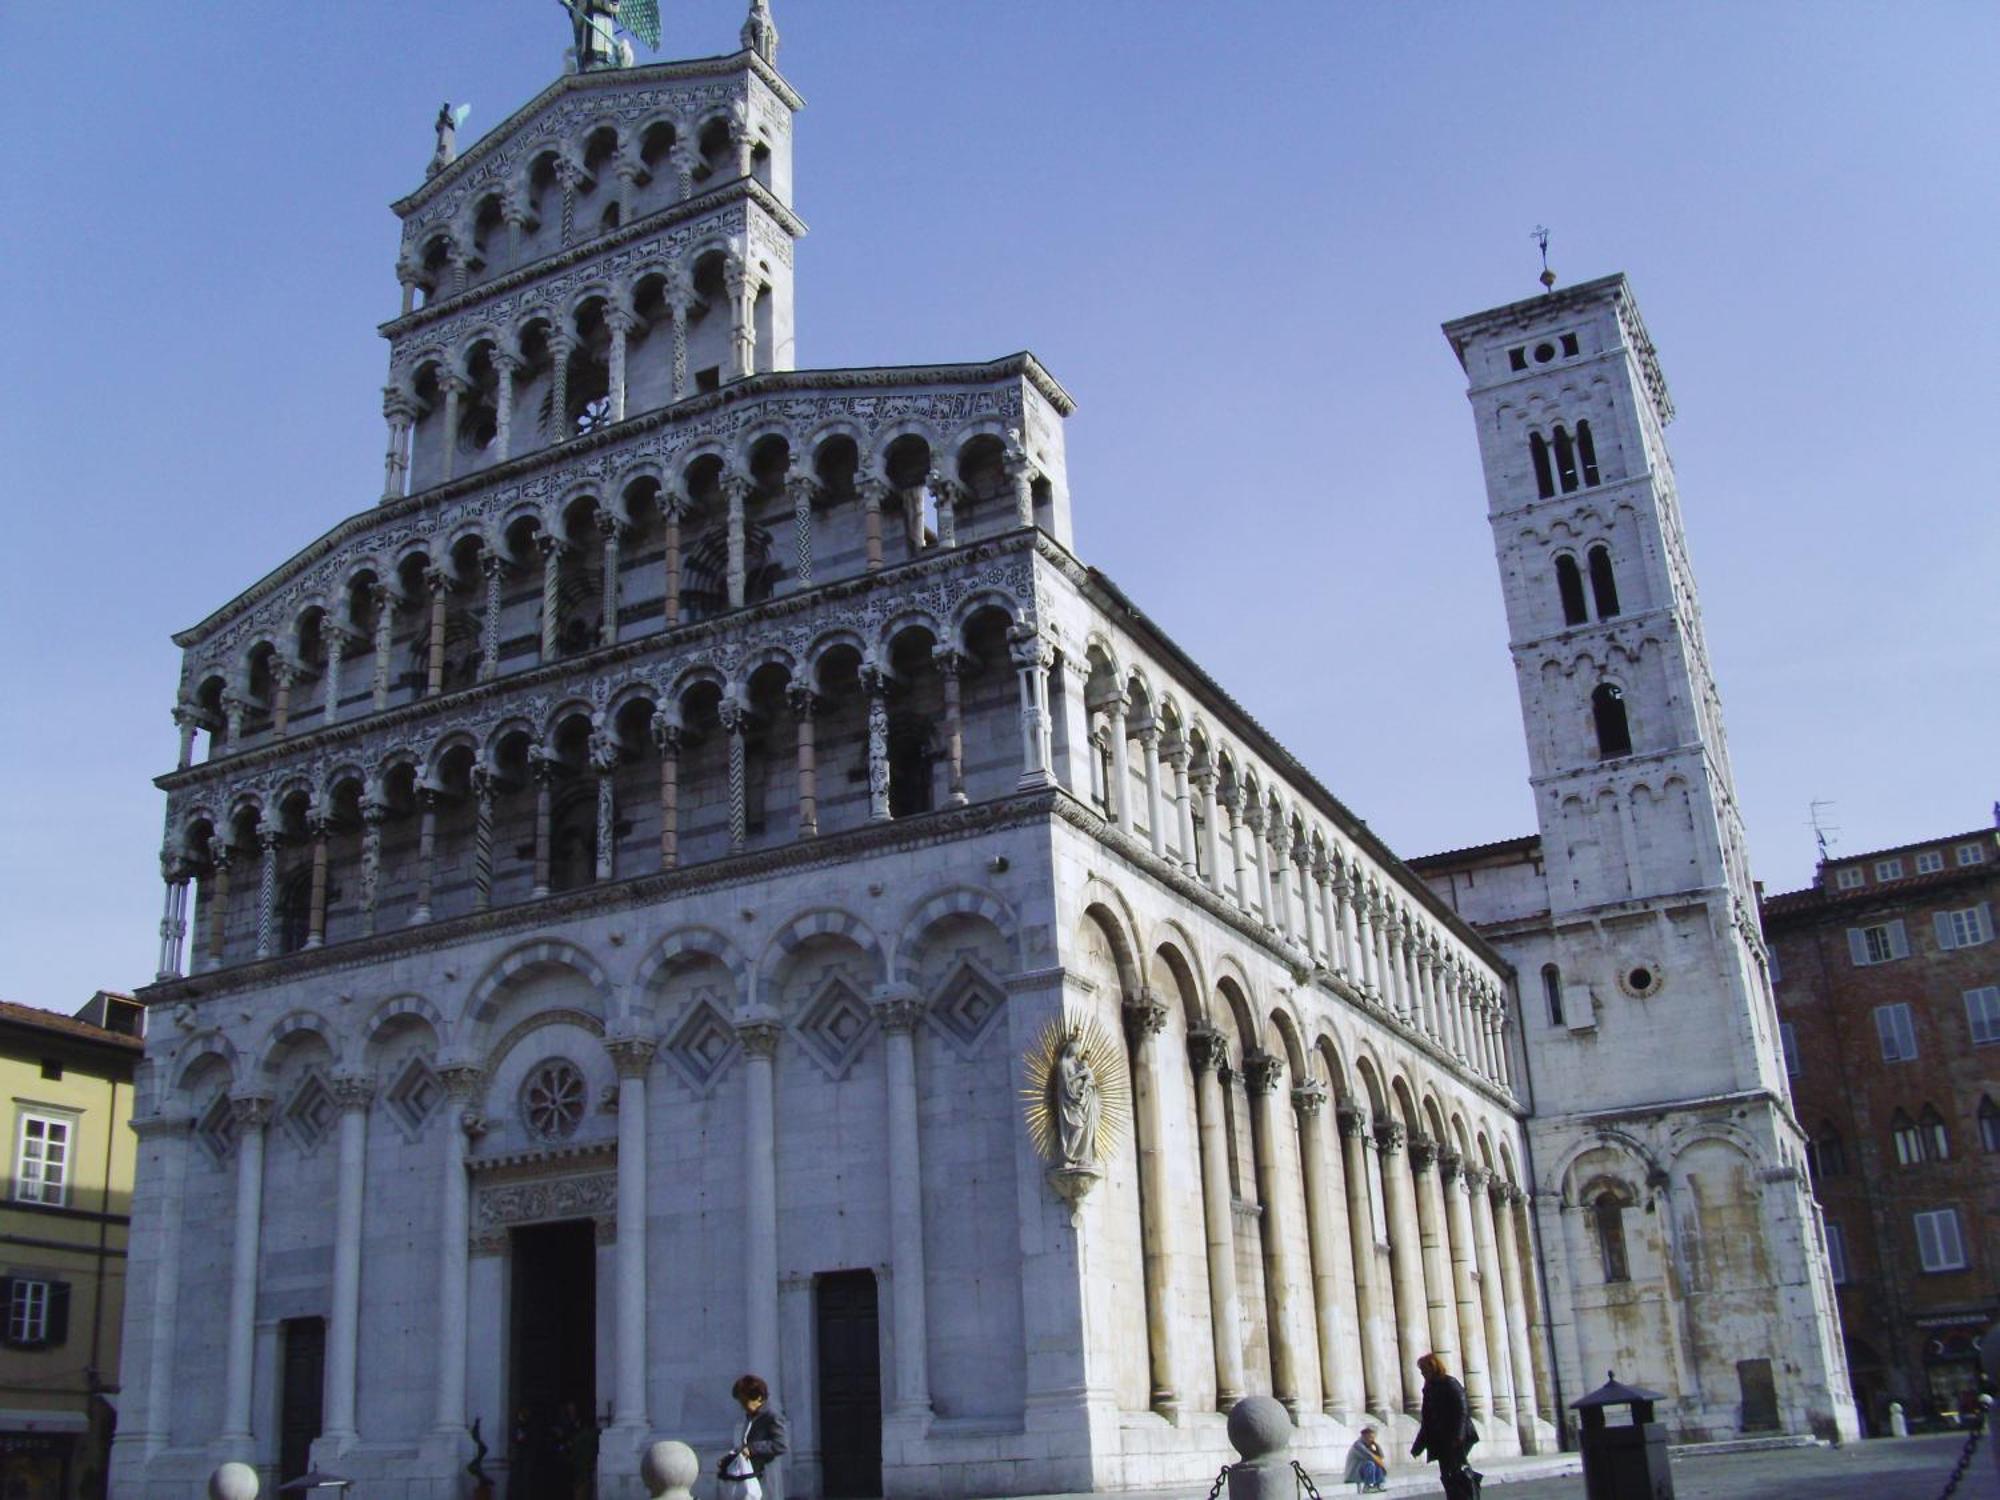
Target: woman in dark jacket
{"type": "Point", "coordinates": [763, 1435]}
{"type": "Point", "coordinates": [1445, 1430]}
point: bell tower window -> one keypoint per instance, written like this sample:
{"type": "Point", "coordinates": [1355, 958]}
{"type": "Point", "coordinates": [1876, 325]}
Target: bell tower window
{"type": "Point", "coordinates": [1569, 584]}
{"type": "Point", "coordinates": [1538, 450]}
{"type": "Point", "coordinates": [1603, 585]}
{"type": "Point", "coordinates": [1607, 710]}
{"type": "Point", "coordinates": [1586, 450]}
{"type": "Point", "coordinates": [1565, 460]}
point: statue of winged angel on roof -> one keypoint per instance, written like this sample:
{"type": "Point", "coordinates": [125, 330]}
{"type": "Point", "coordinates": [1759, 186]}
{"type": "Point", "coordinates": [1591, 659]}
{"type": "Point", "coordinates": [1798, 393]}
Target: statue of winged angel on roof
{"type": "Point", "coordinates": [596, 23]}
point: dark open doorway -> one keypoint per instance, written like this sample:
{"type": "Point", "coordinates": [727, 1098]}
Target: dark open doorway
{"type": "Point", "coordinates": [850, 1385]}
{"type": "Point", "coordinates": [553, 1364]}
{"type": "Point", "coordinates": [301, 1387]}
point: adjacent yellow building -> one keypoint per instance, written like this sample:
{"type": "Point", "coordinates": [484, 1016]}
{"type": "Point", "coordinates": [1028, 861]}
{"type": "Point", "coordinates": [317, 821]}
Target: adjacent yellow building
{"type": "Point", "coordinates": [66, 1083]}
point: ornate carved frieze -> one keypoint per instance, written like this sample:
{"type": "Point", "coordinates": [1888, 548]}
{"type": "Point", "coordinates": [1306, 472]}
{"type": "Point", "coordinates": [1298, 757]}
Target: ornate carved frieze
{"type": "Point", "coordinates": [541, 1200]}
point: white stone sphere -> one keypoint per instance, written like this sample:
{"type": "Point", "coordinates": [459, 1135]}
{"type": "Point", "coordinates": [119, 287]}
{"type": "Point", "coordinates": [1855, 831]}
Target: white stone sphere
{"type": "Point", "coordinates": [233, 1481]}
{"type": "Point", "coordinates": [669, 1468]}
{"type": "Point", "coordinates": [1259, 1426]}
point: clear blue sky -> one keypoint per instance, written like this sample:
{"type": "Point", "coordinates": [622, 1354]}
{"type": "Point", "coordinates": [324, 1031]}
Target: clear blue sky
{"type": "Point", "coordinates": [1231, 229]}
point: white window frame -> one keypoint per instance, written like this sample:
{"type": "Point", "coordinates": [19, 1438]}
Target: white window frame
{"type": "Point", "coordinates": [28, 1312]}
{"type": "Point", "coordinates": [1965, 927]}
{"type": "Point", "coordinates": [1889, 869]}
{"type": "Point", "coordinates": [1982, 1014]}
{"type": "Point", "coordinates": [1895, 1032]}
{"type": "Point", "coordinates": [1930, 862]}
{"type": "Point", "coordinates": [1849, 878]}
{"type": "Point", "coordinates": [31, 1173]}
{"type": "Point", "coordinates": [1878, 943]}
{"type": "Point", "coordinates": [1788, 1040]}
{"type": "Point", "coordinates": [1933, 1227]}
{"type": "Point", "coordinates": [1836, 1254]}
{"type": "Point", "coordinates": [1971, 854]}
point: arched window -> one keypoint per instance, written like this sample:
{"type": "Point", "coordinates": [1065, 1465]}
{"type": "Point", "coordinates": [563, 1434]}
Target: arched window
{"type": "Point", "coordinates": [1826, 1153]}
{"type": "Point", "coordinates": [1569, 583]}
{"type": "Point", "coordinates": [910, 758]}
{"type": "Point", "coordinates": [1587, 451]}
{"type": "Point", "coordinates": [1607, 710]}
{"type": "Point", "coordinates": [1937, 1141]}
{"type": "Point", "coordinates": [1607, 1211]}
{"type": "Point", "coordinates": [1907, 1139]}
{"type": "Point", "coordinates": [294, 911]}
{"type": "Point", "coordinates": [1565, 460]}
{"type": "Point", "coordinates": [573, 842]}
{"type": "Point", "coordinates": [1538, 450]}
{"type": "Point", "coordinates": [1989, 1124]}
{"type": "Point", "coordinates": [1552, 992]}
{"type": "Point", "coordinates": [1603, 584]}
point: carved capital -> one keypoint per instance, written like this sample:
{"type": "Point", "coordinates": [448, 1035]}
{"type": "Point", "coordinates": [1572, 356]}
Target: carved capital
{"type": "Point", "coordinates": [1476, 1178]}
{"type": "Point", "coordinates": [354, 1091]}
{"type": "Point", "coordinates": [760, 1038]}
{"type": "Point", "coordinates": [1262, 1071]}
{"type": "Point", "coordinates": [898, 1008]}
{"type": "Point", "coordinates": [1208, 1048]}
{"type": "Point", "coordinates": [1423, 1151]}
{"type": "Point", "coordinates": [631, 1055]}
{"type": "Point", "coordinates": [462, 1081]}
{"type": "Point", "coordinates": [802, 700]}
{"type": "Point", "coordinates": [1349, 1117]}
{"type": "Point", "coordinates": [250, 1111]}
{"type": "Point", "coordinates": [1145, 1017]}
{"type": "Point", "coordinates": [1390, 1136]}
{"type": "Point", "coordinates": [949, 660]}
{"type": "Point", "coordinates": [666, 734]}
{"type": "Point", "coordinates": [1448, 1164]}
{"type": "Point", "coordinates": [1310, 1097]}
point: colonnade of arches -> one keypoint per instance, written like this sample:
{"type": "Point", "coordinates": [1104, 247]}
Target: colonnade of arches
{"type": "Point", "coordinates": [1316, 1213]}
{"type": "Point", "coordinates": [1207, 807]}
{"type": "Point", "coordinates": [653, 550]}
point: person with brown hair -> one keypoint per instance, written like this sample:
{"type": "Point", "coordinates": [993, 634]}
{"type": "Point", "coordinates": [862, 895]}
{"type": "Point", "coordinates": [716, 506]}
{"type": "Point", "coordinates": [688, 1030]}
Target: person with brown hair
{"type": "Point", "coordinates": [742, 1467]}
{"type": "Point", "coordinates": [1445, 1430]}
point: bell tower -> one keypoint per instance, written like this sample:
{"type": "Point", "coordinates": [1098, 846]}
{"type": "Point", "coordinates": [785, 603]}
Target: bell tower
{"type": "Point", "coordinates": [1666, 1148]}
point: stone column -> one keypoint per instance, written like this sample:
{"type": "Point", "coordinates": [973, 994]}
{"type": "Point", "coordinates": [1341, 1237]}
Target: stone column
{"type": "Point", "coordinates": [187, 719]}
{"type": "Point", "coordinates": [544, 770]}
{"type": "Point", "coordinates": [453, 386]}
{"type": "Point", "coordinates": [166, 1135]}
{"type": "Point", "coordinates": [673, 507]}
{"type": "Point", "coordinates": [1302, 862]}
{"type": "Point", "coordinates": [234, 710]}
{"type": "Point", "coordinates": [1364, 939]}
{"type": "Point", "coordinates": [950, 663]}
{"type": "Point", "coordinates": [1343, 921]}
{"type": "Point", "coordinates": [553, 549]}
{"type": "Point", "coordinates": [1406, 1264]}
{"type": "Point", "coordinates": [353, 1093]}
{"type": "Point", "coordinates": [1119, 802]}
{"type": "Point", "coordinates": [1492, 1308]}
{"type": "Point", "coordinates": [632, 1055]}
{"type": "Point", "coordinates": [949, 494]}
{"type": "Point", "coordinates": [1387, 934]}
{"type": "Point", "coordinates": [685, 159]}
{"type": "Point", "coordinates": [176, 872]}
{"type": "Point", "coordinates": [1373, 1311]}
{"type": "Point", "coordinates": [1178, 759]}
{"type": "Point", "coordinates": [1471, 1325]}
{"type": "Point", "coordinates": [1149, 749]}
{"type": "Point", "coordinates": [337, 641]}
{"type": "Point", "coordinates": [1032, 660]}
{"type": "Point", "coordinates": [736, 491]}
{"type": "Point", "coordinates": [483, 791]}
{"type": "Point", "coordinates": [215, 901]}
{"type": "Point", "coordinates": [735, 719]}
{"type": "Point", "coordinates": [1261, 1074]}
{"type": "Point", "coordinates": [1145, 1019]}
{"type": "Point", "coordinates": [872, 491]}
{"type": "Point", "coordinates": [1278, 915]}
{"type": "Point", "coordinates": [1332, 1268]}
{"type": "Point", "coordinates": [320, 827]}
{"type": "Point", "coordinates": [462, 1084]}
{"type": "Point", "coordinates": [800, 487]}
{"type": "Point", "coordinates": [681, 304]}
{"type": "Point", "coordinates": [1208, 1053]}
{"type": "Point", "coordinates": [269, 840]}
{"type": "Point", "coordinates": [384, 599]}
{"type": "Point", "coordinates": [875, 683]}
{"type": "Point", "coordinates": [760, 1171]}
{"type": "Point", "coordinates": [805, 705]}
{"type": "Point", "coordinates": [1253, 817]}
{"type": "Point", "coordinates": [283, 674]}
{"type": "Point", "coordinates": [619, 322]}
{"type": "Point", "coordinates": [1442, 1319]}
{"type": "Point", "coordinates": [561, 347]}
{"type": "Point", "coordinates": [400, 411]}
{"type": "Point", "coordinates": [1211, 829]}
{"type": "Point", "coordinates": [1237, 885]}
{"type": "Point", "coordinates": [1505, 1202]}
{"type": "Point", "coordinates": [603, 753]}
{"type": "Point", "coordinates": [252, 1112]}
{"type": "Point", "coordinates": [505, 367]}
{"type": "Point", "coordinates": [898, 1010]}
{"type": "Point", "coordinates": [374, 813]}
{"type": "Point", "coordinates": [1329, 926]}
{"type": "Point", "coordinates": [1021, 480]}
{"type": "Point", "coordinates": [667, 737]}
{"type": "Point", "coordinates": [612, 530]}
{"type": "Point", "coordinates": [427, 827]}
{"type": "Point", "coordinates": [742, 320]}
{"type": "Point", "coordinates": [492, 568]}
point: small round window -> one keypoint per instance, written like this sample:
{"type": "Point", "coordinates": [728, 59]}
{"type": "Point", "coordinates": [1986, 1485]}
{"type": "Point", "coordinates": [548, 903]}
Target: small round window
{"type": "Point", "coordinates": [1641, 981]}
{"type": "Point", "coordinates": [1544, 353]}
{"type": "Point", "coordinates": [552, 1100]}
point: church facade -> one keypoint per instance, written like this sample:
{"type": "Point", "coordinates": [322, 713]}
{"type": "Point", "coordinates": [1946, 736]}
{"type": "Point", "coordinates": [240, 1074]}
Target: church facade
{"type": "Point", "coordinates": [701, 878]}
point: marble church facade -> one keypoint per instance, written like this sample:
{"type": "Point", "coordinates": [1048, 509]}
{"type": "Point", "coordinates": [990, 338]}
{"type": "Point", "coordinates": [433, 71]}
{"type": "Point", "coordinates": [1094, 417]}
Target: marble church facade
{"type": "Point", "coordinates": [613, 882]}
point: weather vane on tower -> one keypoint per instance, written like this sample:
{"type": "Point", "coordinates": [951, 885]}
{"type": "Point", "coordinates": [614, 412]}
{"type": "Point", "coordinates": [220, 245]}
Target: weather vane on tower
{"type": "Point", "coordinates": [1541, 239]}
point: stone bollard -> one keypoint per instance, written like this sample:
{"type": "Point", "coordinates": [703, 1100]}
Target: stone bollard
{"type": "Point", "coordinates": [669, 1469]}
{"type": "Point", "coordinates": [233, 1481]}
{"type": "Point", "coordinates": [1897, 1426]}
{"type": "Point", "coordinates": [1261, 1430]}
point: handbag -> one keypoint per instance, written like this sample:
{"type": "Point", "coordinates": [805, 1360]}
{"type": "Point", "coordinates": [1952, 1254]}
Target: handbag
{"type": "Point", "coordinates": [739, 1479]}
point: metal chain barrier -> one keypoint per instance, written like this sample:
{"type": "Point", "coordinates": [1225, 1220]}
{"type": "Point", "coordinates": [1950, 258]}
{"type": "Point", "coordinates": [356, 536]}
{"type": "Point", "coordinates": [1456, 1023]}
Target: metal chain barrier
{"type": "Point", "coordinates": [1221, 1478]}
{"type": "Point", "coordinates": [1964, 1459]}
{"type": "Point", "coordinates": [1305, 1485]}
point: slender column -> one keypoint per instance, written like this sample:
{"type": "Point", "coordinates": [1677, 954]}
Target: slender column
{"type": "Point", "coordinates": [1240, 890]}
{"type": "Point", "coordinates": [1149, 749]}
{"type": "Point", "coordinates": [734, 721]}
{"type": "Point", "coordinates": [438, 583]}
{"type": "Point", "coordinates": [483, 791]}
{"type": "Point", "coordinates": [667, 737]}
{"type": "Point", "coordinates": [1425, 984]}
{"type": "Point", "coordinates": [1506, 1199]}
{"type": "Point", "coordinates": [627, 171]}
{"type": "Point", "coordinates": [681, 305]}
{"type": "Point", "coordinates": [685, 159]}
{"type": "Point", "coordinates": [176, 872]}
{"type": "Point", "coordinates": [1372, 1308]}
{"type": "Point", "coordinates": [215, 901]}
{"type": "Point", "coordinates": [1364, 939]}
{"type": "Point", "coordinates": [1145, 1019]}
{"type": "Point", "coordinates": [950, 495]}
{"type": "Point", "coordinates": [553, 549]}
{"type": "Point", "coordinates": [454, 402]}
{"type": "Point", "coordinates": [1178, 758]}
{"type": "Point", "coordinates": [1492, 1309]}
{"type": "Point", "coordinates": [320, 827]}
{"type": "Point", "coordinates": [353, 1093]}
{"type": "Point", "coordinates": [400, 411]}
{"type": "Point", "coordinates": [1329, 926]}
{"type": "Point", "coordinates": [374, 813]}
{"type": "Point", "coordinates": [875, 683]}
{"type": "Point", "coordinates": [493, 568]}
{"type": "Point", "coordinates": [1278, 914]}
{"type": "Point", "coordinates": [1031, 660]}
{"type": "Point", "coordinates": [337, 641]}
{"type": "Point", "coordinates": [736, 490]}
{"type": "Point", "coordinates": [872, 492]}
{"type": "Point", "coordinates": [561, 346]}
{"type": "Point", "coordinates": [462, 1084]}
{"type": "Point", "coordinates": [612, 530]}
{"type": "Point", "coordinates": [1471, 1326]}
{"type": "Point", "coordinates": [384, 599]}
{"type": "Point", "coordinates": [187, 719]}
{"type": "Point", "coordinates": [632, 1056]}
{"type": "Point", "coordinates": [603, 752]}
{"type": "Point", "coordinates": [742, 321]}
{"type": "Point", "coordinates": [544, 770]}
{"type": "Point", "coordinates": [1253, 817]}
{"type": "Point", "coordinates": [1332, 1267]}
{"type": "Point", "coordinates": [165, 1187]}
{"type": "Point", "coordinates": [1386, 934]}
{"type": "Point", "coordinates": [1406, 1264]}
{"type": "Point", "coordinates": [566, 175]}
{"type": "Point", "coordinates": [760, 1173]}
{"type": "Point", "coordinates": [1020, 474]}
{"type": "Point", "coordinates": [1121, 762]}
{"type": "Point", "coordinates": [234, 711]}
{"type": "Point", "coordinates": [505, 367]}
{"type": "Point", "coordinates": [1208, 1051]}
{"type": "Point", "coordinates": [1343, 921]}
{"type": "Point", "coordinates": [949, 664]}
{"type": "Point", "coordinates": [619, 322]}
{"type": "Point", "coordinates": [269, 840]}
{"type": "Point", "coordinates": [672, 508]}
{"type": "Point", "coordinates": [252, 1112]}
{"type": "Point", "coordinates": [283, 674]}
{"type": "Point", "coordinates": [427, 806]}
{"type": "Point", "coordinates": [1261, 1074]}
{"type": "Point", "coordinates": [1436, 1283]}
{"type": "Point", "coordinates": [1211, 828]}
{"type": "Point", "coordinates": [898, 1010]}
{"type": "Point", "coordinates": [1302, 862]}
{"type": "Point", "coordinates": [800, 487]}
{"type": "Point", "coordinates": [805, 706]}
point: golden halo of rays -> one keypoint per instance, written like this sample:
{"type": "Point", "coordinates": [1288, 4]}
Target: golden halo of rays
{"type": "Point", "coordinates": [1105, 1055]}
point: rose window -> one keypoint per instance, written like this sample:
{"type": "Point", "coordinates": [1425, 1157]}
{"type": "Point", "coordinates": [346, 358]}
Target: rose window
{"type": "Point", "coordinates": [552, 1100]}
